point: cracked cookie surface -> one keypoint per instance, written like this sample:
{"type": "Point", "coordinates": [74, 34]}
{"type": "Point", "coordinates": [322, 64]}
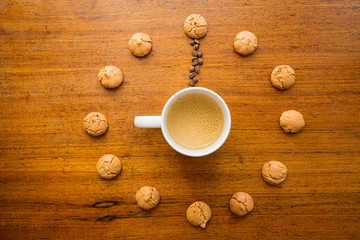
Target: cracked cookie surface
{"type": "Point", "coordinates": [195, 26]}
{"type": "Point", "coordinates": [292, 121]}
{"type": "Point", "coordinates": [283, 77]}
{"type": "Point", "coordinates": [147, 197]}
{"type": "Point", "coordinates": [274, 172]}
{"type": "Point", "coordinates": [140, 44]}
{"type": "Point", "coordinates": [110, 77]}
{"type": "Point", "coordinates": [108, 166]}
{"type": "Point", "coordinates": [241, 203]}
{"type": "Point", "coordinates": [198, 214]}
{"type": "Point", "coordinates": [95, 124]}
{"type": "Point", "coordinates": [245, 43]}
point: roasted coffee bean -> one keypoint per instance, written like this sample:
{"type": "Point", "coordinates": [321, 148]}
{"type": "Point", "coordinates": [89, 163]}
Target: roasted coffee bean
{"type": "Point", "coordinates": [192, 42]}
{"type": "Point", "coordinates": [196, 62]}
{"type": "Point", "coordinates": [197, 41]}
{"type": "Point", "coordinates": [199, 54]}
{"type": "Point", "coordinates": [192, 75]}
{"type": "Point", "coordinates": [200, 61]}
{"type": "Point", "coordinates": [194, 58]}
{"type": "Point", "coordinates": [196, 47]}
{"type": "Point", "coordinates": [191, 84]}
{"type": "Point", "coordinates": [194, 53]}
{"type": "Point", "coordinates": [192, 69]}
{"type": "Point", "coordinates": [195, 79]}
{"type": "Point", "coordinates": [197, 69]}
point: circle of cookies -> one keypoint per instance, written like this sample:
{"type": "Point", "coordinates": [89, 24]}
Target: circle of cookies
{"type": "Point", "coordinates": [95, 124]}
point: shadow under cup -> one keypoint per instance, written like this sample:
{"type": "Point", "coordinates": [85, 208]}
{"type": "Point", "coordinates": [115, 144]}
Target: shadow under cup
{"type": "Point", "coordinates": [215, 145]}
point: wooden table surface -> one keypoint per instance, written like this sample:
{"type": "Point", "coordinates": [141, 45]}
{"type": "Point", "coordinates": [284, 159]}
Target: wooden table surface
{"type": "Point", "coordinates": [51, 53]}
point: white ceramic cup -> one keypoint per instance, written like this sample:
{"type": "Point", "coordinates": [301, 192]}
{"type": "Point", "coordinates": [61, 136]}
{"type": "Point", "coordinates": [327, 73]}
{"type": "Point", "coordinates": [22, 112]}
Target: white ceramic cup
{"type": "Point", "coordinates": [160, 122]}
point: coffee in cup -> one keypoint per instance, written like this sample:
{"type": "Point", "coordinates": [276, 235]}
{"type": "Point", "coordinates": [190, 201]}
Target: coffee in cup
{"type": "Point", "coordinates": [194, 120]}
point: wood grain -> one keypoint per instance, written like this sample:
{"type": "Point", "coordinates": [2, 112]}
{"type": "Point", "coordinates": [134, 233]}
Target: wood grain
{"type": "Point", "coordinates": [50, 54]}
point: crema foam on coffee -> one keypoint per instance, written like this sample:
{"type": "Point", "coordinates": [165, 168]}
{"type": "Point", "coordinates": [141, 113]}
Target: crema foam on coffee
{"type": "Point", "coordinates": [194, 121]}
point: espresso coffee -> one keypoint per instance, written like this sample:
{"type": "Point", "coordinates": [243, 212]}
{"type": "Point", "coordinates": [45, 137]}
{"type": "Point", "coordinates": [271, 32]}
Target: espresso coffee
{"type": "Point", "coordinates": [194, 121]}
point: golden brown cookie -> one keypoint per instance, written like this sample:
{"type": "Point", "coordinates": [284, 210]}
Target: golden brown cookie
{"type": "Point", "coordinates": [140, 44]}
{"type": "Point", "coordinates": [95, 124]}
{"type": "Point", "coordinates": [245, 43]}
{"type": "Point", "coordinates": [274, 172]}
{"type": "Point", "coordinates": [198, 214]}
{"type": "Point", "coordinates": [147, 197]}
{"type": "Point", "coordinates": [241, 203]}
{"type": "Point", "coordinates": [108, 166]}
{"type": "Point", "coordinates": [283, 77]}
{"type": "Point", "coordinates": [195, 26]}
{"type": "Point", "coordinates": [110, 76]}
{"type": "Point", "coordinates": [292, 121]}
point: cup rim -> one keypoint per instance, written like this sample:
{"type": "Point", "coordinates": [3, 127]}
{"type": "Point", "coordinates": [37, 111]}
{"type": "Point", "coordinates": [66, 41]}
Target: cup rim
{"type": "Point", "coordinates": [200, 153]}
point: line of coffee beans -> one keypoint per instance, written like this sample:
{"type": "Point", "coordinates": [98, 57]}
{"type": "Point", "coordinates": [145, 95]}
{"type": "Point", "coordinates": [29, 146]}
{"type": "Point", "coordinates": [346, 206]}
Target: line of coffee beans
{"type": "Point", "coordinates": [196, 61]}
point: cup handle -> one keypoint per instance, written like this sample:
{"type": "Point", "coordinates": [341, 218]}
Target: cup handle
{"type": "Point", "coordinates": [147, 122]}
